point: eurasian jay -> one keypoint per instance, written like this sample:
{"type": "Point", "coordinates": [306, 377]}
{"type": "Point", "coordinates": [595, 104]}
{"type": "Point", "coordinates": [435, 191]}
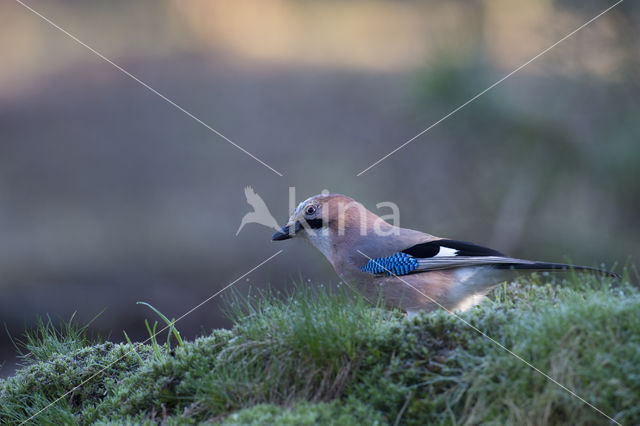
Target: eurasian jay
{"type": "Point", "coordinates": [413, 270]}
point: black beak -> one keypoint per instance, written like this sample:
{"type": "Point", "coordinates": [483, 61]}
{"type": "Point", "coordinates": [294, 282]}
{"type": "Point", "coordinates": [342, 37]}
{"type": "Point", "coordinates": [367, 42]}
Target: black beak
{"type": "Point", "coordinates": [286, 232]}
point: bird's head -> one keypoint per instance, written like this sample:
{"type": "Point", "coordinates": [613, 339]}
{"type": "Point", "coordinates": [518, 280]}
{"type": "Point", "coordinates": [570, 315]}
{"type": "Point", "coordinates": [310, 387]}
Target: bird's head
{"type": "Point", "coordinates": [325, 214]}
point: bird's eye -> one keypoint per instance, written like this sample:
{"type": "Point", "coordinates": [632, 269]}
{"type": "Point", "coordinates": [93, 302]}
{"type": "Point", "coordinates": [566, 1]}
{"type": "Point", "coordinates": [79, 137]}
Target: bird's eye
{"type": "Point", "coordinates": [309, 210]}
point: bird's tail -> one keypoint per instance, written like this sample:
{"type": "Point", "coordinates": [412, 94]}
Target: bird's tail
{"type": "Point", "coordinates": [548, 266]}
{"type": "Point", "coordinates": [498, 262]}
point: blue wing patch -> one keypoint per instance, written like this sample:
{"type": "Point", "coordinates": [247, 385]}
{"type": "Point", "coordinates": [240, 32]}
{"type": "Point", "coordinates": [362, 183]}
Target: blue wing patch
{"type": "Point", "coordinates": [397, 264]}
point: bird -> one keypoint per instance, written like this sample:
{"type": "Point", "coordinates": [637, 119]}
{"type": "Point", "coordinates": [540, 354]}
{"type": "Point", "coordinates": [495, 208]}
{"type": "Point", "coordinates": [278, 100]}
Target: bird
{"type": "Point", "coordinates": [260, 213]}
{"type": "Point", "coordinates": [412, 270]}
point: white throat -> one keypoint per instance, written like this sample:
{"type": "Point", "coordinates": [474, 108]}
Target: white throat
{"type": "Point", "coordinates": [321, 239]}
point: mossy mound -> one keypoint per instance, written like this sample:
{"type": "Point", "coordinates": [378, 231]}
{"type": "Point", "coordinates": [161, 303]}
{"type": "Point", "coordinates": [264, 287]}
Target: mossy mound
{"type": "Point", "coordinates": [321, 358]}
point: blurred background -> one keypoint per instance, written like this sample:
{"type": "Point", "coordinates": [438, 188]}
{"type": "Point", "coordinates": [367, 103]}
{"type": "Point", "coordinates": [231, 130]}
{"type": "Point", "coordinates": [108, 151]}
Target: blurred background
{"type": "Point", "coordinates": [109, 195]}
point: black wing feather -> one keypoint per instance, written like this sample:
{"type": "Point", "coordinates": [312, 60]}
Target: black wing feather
{"type": "Point", "coordinates": [424, 257]}
{"type": "Point", "coordinates": [463, 248]}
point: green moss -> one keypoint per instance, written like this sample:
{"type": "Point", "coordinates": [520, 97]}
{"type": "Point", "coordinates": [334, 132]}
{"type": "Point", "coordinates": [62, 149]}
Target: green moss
{"type": "Point", "coordinates": [590, 344]}
{"type": "Point", "coordinates": [354, 413]}
{"type": "Point", "coordinates": [319, 357]}
{"type": "Point", "coordinates": [82, 376]}
{"type": "Point", "coordinates": [171, 384]}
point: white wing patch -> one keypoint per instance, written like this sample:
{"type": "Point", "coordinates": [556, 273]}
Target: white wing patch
{"type": "Point", "coordinates": [446, 252]}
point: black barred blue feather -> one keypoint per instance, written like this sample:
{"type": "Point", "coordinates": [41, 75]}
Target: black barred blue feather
{"type": "Point", "coordinates": [397, 264]}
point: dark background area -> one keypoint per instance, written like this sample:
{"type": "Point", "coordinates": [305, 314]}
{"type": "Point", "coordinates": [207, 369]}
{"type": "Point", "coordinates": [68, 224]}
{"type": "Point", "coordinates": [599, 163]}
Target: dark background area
{"type": "Point", "coordinates": [109, 195]}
